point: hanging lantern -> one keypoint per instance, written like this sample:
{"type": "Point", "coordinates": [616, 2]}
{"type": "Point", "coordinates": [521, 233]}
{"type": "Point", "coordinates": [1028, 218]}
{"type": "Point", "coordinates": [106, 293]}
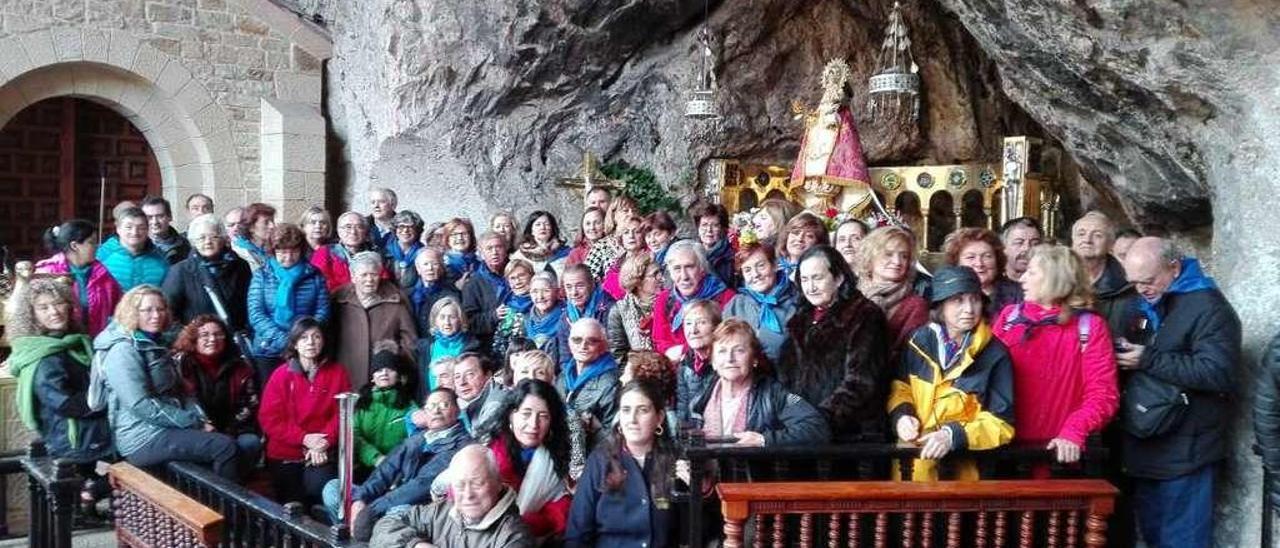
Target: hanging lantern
{"type": "Point", "coordinates": [702, 100]}
{"type": "Point", "coordinates": [894, 90]}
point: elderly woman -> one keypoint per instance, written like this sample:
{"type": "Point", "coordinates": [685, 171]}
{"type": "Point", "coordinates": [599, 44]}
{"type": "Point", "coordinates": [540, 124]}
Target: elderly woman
{"type": "Point", "coordinates": [541, 243]}
{"type": "Point", "coordinates": [286, 289]}
{"type": "Point", "coordinates": [95, 292]}
{"type": "Point", "coordinates": [631, 319]}
{"type": "Point", "coordinates": [368, 310]}
{"type": "Point", "coordinates": [515, 307]}
{"type": "Point", "coordinates": [767, 298]}
{"type": "Point", "coordinates": [712, 222]}
{"type": "Point", "coordinates": [403, 249]}
{"type": "Point", "coordinates": [836, 356]}
{"type": "Point", "coordinates": [299, 415]}
{"type": "Point", "coordinates": [212, 267]}
{"type": "Point", "coordinates": [746, 403]}
{"type": "Point", "coordinates": [531, 448]}
{"type": "Point", "coordinates": [542, 323]}
{"type": "Point", "coordinates": [448, 338]}
{"type": "Point", "coordinates": [691, 279]}
{"type": "Point", "coordinates": [800, 233]}
{"type": "Point", "coordinates": [769, 220]}
{"type": "Point", "coordinates": [631, 233]}
{"type": "Point", "coordinates": [154, 422]}
{"type": "Point", "coordinates": [886, 270]}
{"type": "Point", "coordinates": [222, 382]}
{"type": "Point", "coordinates": [505, 223]}
{"type": "Point", "coordinates": [694, 374]}
{"type": "Point", "coordinates": [846, 238]}
{"type": "Point", "coordinates": [51, 356]}
{"type": "Point", "coordinates": [256, 224]}
{"type": "Point", "coordinates": [460, 248]}
{"type": "Point", "coordinates": [431, 287]}
{"type": "Point", "coordinates": [954, 387]}
{"type": "Point", "coordinates": [1064, 367]}
{"type": "Point", "coordinates": [532, 364]}
{"type": "Point", "coordinates": [634, 465]}
{"type": "Point", "coordinates": [981, 250]}
{"type": "Point", "coordinates": [317, 224]}
{"type": "Point", "coordinates": [334, 260]}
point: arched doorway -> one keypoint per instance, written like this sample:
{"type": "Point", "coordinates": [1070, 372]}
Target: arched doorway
{"type": "Point", "coordinates": [55, 155]}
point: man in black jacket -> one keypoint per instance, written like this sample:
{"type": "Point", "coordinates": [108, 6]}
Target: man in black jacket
{"type": "Point", "coordinates": [486, 288]}
{"type": "Point", "coordinates": [1194, 347]}
{"type": "Point", "coordinates": [1266, 418]}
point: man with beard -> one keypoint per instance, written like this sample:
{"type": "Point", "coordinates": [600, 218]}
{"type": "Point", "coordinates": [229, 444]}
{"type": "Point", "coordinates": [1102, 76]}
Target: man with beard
{"type": "Point", "coordinates": [1019, 236]}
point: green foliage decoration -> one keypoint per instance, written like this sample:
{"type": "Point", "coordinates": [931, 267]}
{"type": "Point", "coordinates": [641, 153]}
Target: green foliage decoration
{"type": "Point", "coordinates": [643, 187]}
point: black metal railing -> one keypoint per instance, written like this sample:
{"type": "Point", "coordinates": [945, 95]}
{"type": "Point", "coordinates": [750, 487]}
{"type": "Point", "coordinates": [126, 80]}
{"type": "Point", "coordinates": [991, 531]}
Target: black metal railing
{"type": "Point", "coordinates": [10, 465]}
{"type": "Point", "coordinates": [846, 462]}
{"type": "Point", "coordinates": [251, 519]}
{"type": "Point", "coordinates": [54, 488]}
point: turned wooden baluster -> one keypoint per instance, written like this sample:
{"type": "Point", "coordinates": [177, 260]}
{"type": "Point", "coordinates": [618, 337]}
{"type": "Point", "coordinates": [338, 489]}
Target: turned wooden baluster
{"type": "Point", "coordinates": [733, 533]}
{"type": "Point", "coordinates": [1002, 525]}
{"type": "Point", "coordinates": [778, 530]}
{"type": "Point", "coordinates": [833, 531]}
{"type": "Point", "coordinates": [1054, 530]}
{"type": "Point", "coordinates": [806, 529]}
{"type": "Point", "coordinates": [758, 541]}
{"type": "Point", "coordinates": [908, 528]}
{"type": "Point", "coordinates": [855, 529]}
{"type": "Point", "coordinates": [953, 529]}
{"type": "Point", "coordinates": [1073, 528]}
{"type": "Point", "coordinates": [1095, 531]}
{"type": "Point", "coordinates": [926, 531]}
{"type": "Point", "coordinates": [1026, 533]}
{"type": "Point", "coordinates": [882, 529]}
{"type": "Point", "coordinates": [982, 530]}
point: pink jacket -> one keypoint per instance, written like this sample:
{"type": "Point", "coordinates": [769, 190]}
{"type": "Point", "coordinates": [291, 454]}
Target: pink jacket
{"type": "Point", "coordinates": [103, 292]}
{"type": "Point", "coordinates": [1060, 390]}
{"type": "Point", "coordinates": [663, 315]}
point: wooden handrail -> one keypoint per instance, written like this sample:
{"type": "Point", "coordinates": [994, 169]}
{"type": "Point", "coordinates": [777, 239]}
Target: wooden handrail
{"type": "Point", "coordinates": [159, 501]}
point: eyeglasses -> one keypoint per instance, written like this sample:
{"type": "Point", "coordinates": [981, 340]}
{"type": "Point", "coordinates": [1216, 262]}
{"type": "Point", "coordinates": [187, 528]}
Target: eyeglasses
{"type": "Point", "coordinates": [586, 340]}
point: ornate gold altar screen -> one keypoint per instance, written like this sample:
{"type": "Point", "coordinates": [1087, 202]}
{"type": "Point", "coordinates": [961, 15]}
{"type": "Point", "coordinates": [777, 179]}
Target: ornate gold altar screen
{"type": "Point", "coordinates": [933, 199]}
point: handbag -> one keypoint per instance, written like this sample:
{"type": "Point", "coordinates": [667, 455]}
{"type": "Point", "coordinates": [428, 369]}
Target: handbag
{"type": "Point", "coordinates": [1152, 407]}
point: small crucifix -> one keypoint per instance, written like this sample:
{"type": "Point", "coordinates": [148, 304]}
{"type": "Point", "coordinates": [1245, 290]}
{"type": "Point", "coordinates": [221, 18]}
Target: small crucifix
{"type": "Point", "coordinates": [589, 177]}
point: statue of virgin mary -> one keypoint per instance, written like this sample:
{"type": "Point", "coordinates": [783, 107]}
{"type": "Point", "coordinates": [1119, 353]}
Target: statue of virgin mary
{"type": "Point", "coordinates": [830, 150]}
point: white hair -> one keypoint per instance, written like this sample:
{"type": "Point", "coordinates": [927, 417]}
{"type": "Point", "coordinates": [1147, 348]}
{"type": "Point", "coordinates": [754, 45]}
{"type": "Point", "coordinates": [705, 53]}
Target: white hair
{"type": "Point", "coordinates": [205, 224]}
{"type": "Point", "coordinates": [366, 260]}
{"type": "Point", "coordinates": [688, 246]}
{"type": "Point", "coordinates": [387, 193]}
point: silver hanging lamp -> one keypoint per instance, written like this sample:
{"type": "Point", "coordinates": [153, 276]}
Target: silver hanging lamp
{"type": "Point", "coordinates": [702, 99]}
{"type": "Point", "coordinates": [894, 90]}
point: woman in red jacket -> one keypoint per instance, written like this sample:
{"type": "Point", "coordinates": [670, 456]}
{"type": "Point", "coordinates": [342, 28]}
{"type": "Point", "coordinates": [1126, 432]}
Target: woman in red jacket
{"type": "Point", "coordinates": [1064, 369]}
{"type": "Point", "coordinates": [299, 415]}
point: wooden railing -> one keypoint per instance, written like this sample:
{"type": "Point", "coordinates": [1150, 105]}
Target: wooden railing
{"type": "Point", "coordinates": [1024, 513]}
{"type": "Point", "coordinates": [149, 513]}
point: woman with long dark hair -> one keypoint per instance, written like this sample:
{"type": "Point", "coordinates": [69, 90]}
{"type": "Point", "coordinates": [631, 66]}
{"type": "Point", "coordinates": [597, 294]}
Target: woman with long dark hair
{"type": "Point", "coordinates": [75, 250]}
{"type": "Point", "coordinates": [541, 243]}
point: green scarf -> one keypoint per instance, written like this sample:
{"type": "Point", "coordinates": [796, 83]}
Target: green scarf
{"type": "Point", "coordinates": [27, 353]}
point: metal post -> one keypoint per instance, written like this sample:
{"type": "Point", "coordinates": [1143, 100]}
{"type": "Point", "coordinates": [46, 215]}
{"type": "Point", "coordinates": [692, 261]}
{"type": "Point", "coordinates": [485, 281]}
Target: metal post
{"type": "Point", "coordinates": [63, 494]}
{"type": "Point", "coordinates": [346, 450]}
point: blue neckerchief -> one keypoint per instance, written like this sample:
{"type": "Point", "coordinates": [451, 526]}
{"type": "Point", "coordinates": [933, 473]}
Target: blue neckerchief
{"type": "Point", "coordinates": [460, 263]}
{"type": "Point", "coordinates": [422, 292]}
{"type": "Point", "coordinates": [560, 253]}
{"type": "Point", "coordinates": [1190, 280]}
{"type": "Point", "coordinates": [541, 328]}
{"type": "Point", "coordinates": [526, 454]}
{"type": "Point", "coordinates": [81, 275]}
{"type": "Point", "coordinates": [498, 283]}
{"type": "Point", "coordinates": [403, 259]}
{"type": "Point", "coordinates": [592, 302]}
{"type": "Point", "coordinates": [519, 303]}
{"type": "Point", "coordinates": [720, 251]}
{"type": "Point", "coordinates": [787, 266]}
{"type": "Point", "coordinates": [443, 346]}
{"type": "Point", "coordinates": [253, 248]}
{"type": "Point", "coordinates": [661, 257]}
{"type": "Point", "coordinates": [768, 318]}
{"type": "Point", "coordinates": [711, 286]}
{"type": "Point", "coordinates": [574, 380]}
{"type": "Point", "coordinates": [285, 297]}
{"type": "Point", "coordinates": [432, 440]}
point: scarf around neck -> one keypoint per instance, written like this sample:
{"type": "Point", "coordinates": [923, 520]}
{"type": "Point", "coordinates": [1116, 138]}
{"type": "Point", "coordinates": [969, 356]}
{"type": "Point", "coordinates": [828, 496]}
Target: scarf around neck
{"type": "Point", "coordinates": [421, 292]}
{"type": "Point", "coordinates": [713, 414]}
{"type": "Point", "coordinates": [286, 294]}
{"type": "Point", "coordinates": [460, 263]}
{"type": "Point", "coordinates": [402, 258]}
{"type": "Point", "coordinates": [519, 303]}
{"type": "Point", "coordinates": [23, 363]}
{"type": "Point", "coordinates": [886, 295]}
{"type": "Point", "coordinates": [710, 287]}
{"type": "Point", "coordinates": [540, 328]}
{"type": "Point", "coordinates": [588, 309]}
{"type": "Point", "coordinates": [1190, 279]}
{"type": "Point", "coordinates": [768, 318]}
{"type": "Point", "coordinates": [496, 281]}
{"type": "Point", "coordinates": [245, 243]}
{"type": "Point", "coordinates": [573, 380]}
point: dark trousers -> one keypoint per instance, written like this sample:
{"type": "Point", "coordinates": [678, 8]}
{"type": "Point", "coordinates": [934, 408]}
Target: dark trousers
{"type": "Point", "coordinates": [211, 448]}
{"type": "Point", "coordinates": [297, 482]}
{"type": "Point", "coordinates": [1176, 512]}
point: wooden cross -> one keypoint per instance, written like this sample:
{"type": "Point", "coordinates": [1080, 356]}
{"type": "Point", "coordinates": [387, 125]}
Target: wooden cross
{"type": "Point", "coordinates": [589, 177]}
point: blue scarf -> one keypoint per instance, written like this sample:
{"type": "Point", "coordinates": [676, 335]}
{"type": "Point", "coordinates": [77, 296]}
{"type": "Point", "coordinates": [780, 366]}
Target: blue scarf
{"type": "Point", "coordinates": [1190, 280]}
{"type": "Point", "coordinates": [574, 380]}
{"type": "Point", "coordinates": [711, 286]}
{"type": "Point", "coordinates": [247, 244]}
{"type": "Point", "coordinates": [661, 257]}
{"type": "Point", "coordinates": [460, 263]}
{"type": "Point", "coordinates": [519, 303]}
{"type": "Point", "coordinates": [443, 346]}
{"type": "Point", "coordinates": [768, 318]}
{"type": "Point", "coordinates": [787, 266]}
{"type": "Point", "coordinates": [545, 327]}
{"type": "Point", "coordinates": [286, 297]}
{"type": "Point", "coordinates": [81, 275]}
{"type": "Point", "coordinates": [422, 292]}
{"type": "Point", "coordinates": [403, 259]}
{"type": "Point", "coordinates": [560, 253]}
{"type": "Point", "coordinates": [498, 283]}
{"type": "Point", "coordinates": [587, 310]}
{"type": "Point", "coordinates": [719, 252]}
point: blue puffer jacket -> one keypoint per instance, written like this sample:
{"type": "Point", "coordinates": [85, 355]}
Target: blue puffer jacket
{"type": "Point", "coordinates": [405, 476]}
{"type": "Point", "coordinates": [148, 267]}
{"type": "Point", "coordinates": [311, 298]}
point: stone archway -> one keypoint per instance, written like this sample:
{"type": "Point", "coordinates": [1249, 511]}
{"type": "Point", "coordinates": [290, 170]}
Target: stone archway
{"type": "Point", "coordinates": [189, 133]}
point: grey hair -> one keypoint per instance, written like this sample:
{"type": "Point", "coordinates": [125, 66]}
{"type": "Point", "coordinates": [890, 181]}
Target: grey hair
{"type": "Point", "coordinates": [388, 193]}
{"type": "Point", "coordinates": [546, 276]}
{"type": "Point", "coordinates": [407, 217]}
{"type": "Point", "coordinates": [689, 246]}
{"type": "Point", "coordinates": [363, 222]}
{"type": "Point", "coordinates": [1169, 251]}
{"type": "Point", "coordinates": [440, 305]}
{"type": "Point", "coordinates": [366, 260]}
{"type": "Point", "coordinates": [589, 322]}
{"type": "Point", "coordinates": [205, 224]}
{"type": "Point", "coordinates": [1109, 227]}
{"type": "Point", "coordinates": [491, 463]}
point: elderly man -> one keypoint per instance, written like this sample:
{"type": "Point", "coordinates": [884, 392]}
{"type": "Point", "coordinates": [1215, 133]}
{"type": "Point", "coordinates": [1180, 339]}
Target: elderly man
{"type": "Point", "coordinates": [1189, 365]}
{"type": "Point", "coordinates": [213, 267]}
{"type": "Point", "coordinates": [370, 309]}
{"type": "Point", "coordinates": [1019, 236]}
{"type": "Point", "coordinates": [406, 475]}
{"type": "Point", "coordinates": [1091, 239]}
{"type": "Point", "coordinates": [199, 204]}
{"type": "Point", "coordinates": [687, 267]}
{"type": "Point", "coordinates": [130, 256]}
{"type": "Point", "coordinates": [583, 298]}
{"type": "Point", "coordinates": [334, 260]}
{"type": "Point", "coordinates": [231, 222]}
{"type": "Point", "coordinates": [486, 289]}
{"type": "Point", "coordinates": [589, 382]}
{"type": "Point", "coordinates": [478, 398]}
{"type": "Point", "coordinates": [160, 229]}
{"type": "Point", "coordinates": [480, 512]}
{"type": "Point", "coordinates": [381, 220]}
{"type": "Point", "coordinates": [599, 198]}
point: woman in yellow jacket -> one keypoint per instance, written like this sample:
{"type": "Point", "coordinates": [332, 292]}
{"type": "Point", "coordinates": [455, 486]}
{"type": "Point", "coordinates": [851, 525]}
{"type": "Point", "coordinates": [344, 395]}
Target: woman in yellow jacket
{"type": "Point", "coordinates": [954, 388]}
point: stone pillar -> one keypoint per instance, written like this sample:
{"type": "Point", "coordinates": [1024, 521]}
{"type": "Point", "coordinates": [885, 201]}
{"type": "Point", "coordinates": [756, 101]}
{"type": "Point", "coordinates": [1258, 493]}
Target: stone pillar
{"type": "Point", "coordinates": [293, 157]}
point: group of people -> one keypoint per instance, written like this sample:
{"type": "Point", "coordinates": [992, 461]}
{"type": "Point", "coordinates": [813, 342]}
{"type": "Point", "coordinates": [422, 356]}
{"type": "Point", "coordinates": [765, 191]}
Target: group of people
{"type": "Point", "coordinates": [534, 386]}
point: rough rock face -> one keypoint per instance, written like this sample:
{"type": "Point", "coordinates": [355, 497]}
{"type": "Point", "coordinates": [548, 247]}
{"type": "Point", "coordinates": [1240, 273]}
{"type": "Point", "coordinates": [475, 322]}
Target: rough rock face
{"type": "Point", "coordinates": [1171, 106]}
{"type": "Point", "coordinates": [488, 102]}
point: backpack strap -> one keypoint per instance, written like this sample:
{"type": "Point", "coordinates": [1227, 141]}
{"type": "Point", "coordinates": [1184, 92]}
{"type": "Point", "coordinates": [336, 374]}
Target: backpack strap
{"type": "Point", "coordinates": [1083, 327]}
{"type": "Point", "coordinates": [1013, 317]}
